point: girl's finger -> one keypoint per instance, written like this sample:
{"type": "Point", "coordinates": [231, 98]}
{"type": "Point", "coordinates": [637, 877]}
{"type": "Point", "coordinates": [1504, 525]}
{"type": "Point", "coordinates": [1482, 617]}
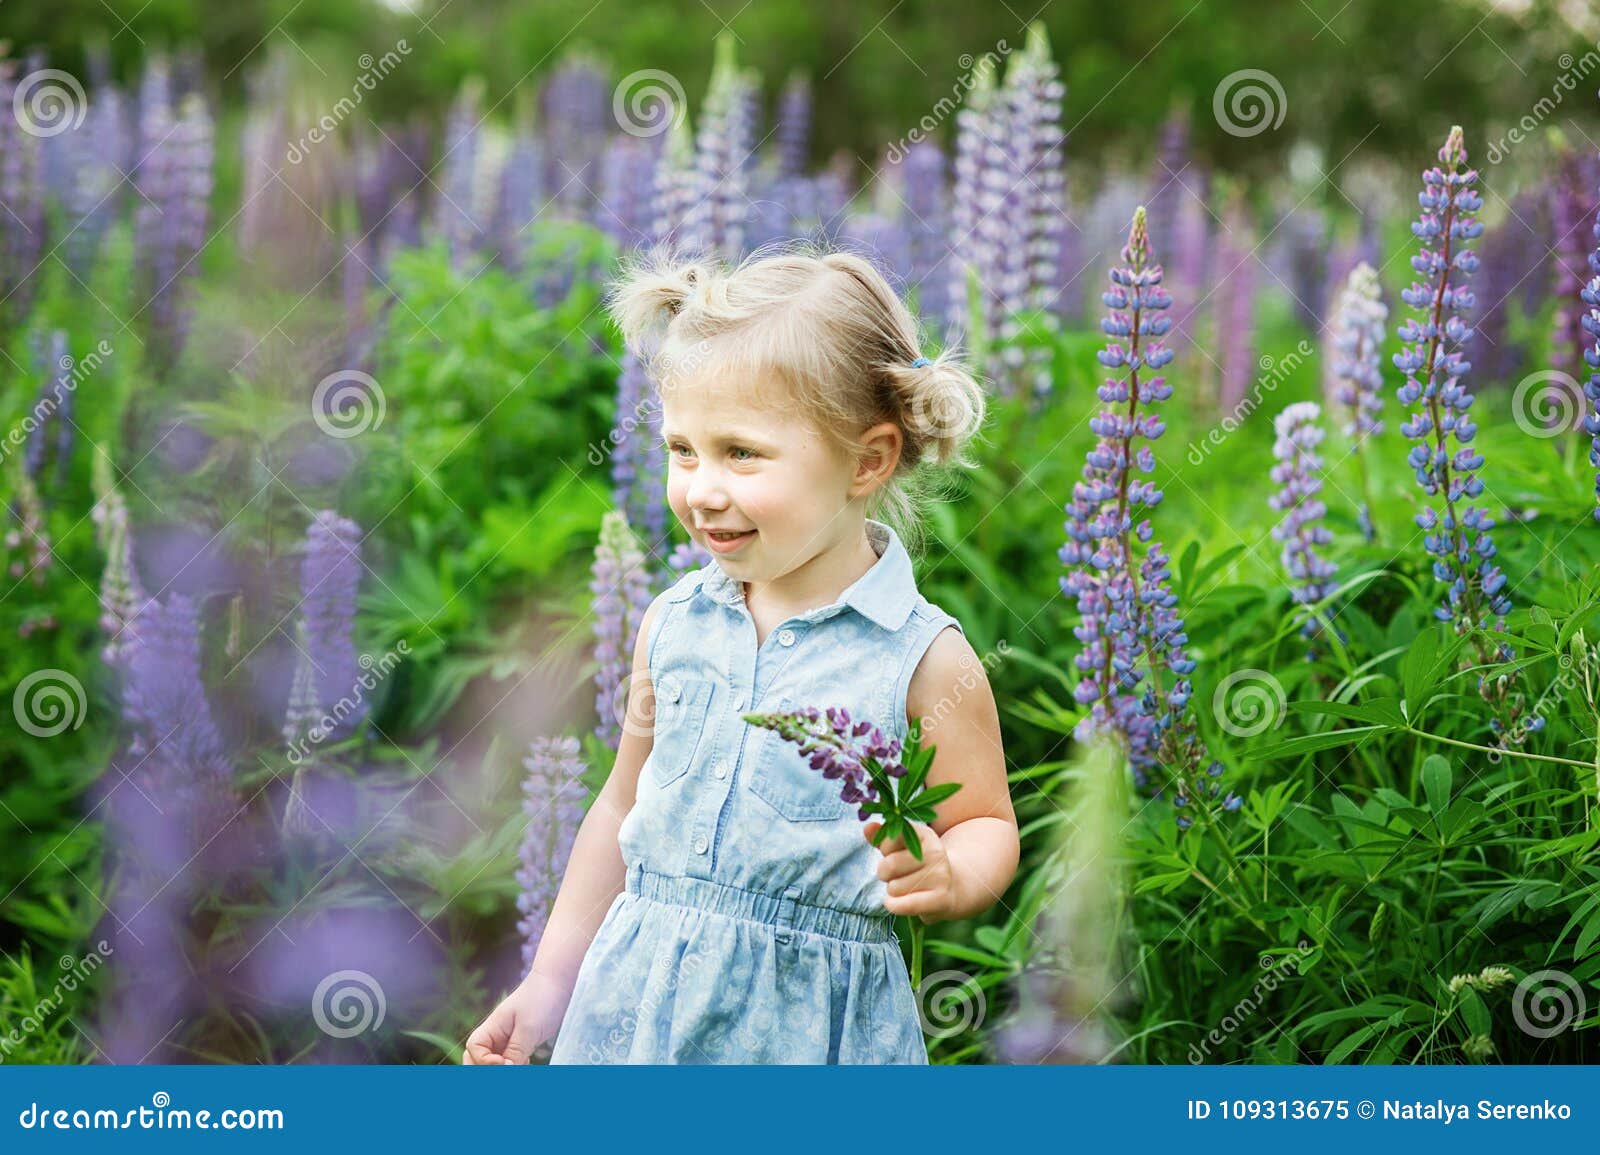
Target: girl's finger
{"type": "Point", "coordinates": [916, 903]}
{"type": "Point", "coordinates": [899, 862]}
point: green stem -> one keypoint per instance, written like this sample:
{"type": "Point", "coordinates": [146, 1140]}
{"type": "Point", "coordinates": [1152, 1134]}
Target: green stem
{"type": "Point", "coordinates": [1492, 750]}
{"type": "Point", "coordinates": [917, 929]}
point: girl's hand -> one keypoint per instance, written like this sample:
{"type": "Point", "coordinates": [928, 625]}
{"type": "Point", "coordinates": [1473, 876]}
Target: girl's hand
{"type": "Point", "coordinates": [525, 1019]}
{"type": "Point", "coordinates": [926, 889]}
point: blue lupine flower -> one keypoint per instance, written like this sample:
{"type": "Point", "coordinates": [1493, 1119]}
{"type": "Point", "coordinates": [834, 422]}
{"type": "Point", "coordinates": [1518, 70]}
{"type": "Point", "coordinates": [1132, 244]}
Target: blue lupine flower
{"type": "Point", "coordinates": [1357, 341]}
{"type": "Point", "coordinates": [1440, 428]}
{"type": "Point", "coordinates": [1135, 671]}
{"type": "Point", "coordinates": [330, 574]}
{"type": "Point", "coordinates": [552, 801]}
{"type": "Point", "coordinates": [620, 583]}
{"type": "Point", "coordinates": [1591, 354]}
{"type": "Point", "coordinates": [1299, 473]}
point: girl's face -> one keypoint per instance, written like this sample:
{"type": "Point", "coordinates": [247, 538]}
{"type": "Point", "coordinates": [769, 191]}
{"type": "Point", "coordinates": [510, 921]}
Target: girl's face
{"type": "Point", "coordinates": [758, 471]}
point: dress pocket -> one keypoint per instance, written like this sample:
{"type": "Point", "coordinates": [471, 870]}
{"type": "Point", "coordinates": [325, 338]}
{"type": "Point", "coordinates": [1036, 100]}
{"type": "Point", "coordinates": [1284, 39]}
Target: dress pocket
{"type": "Point", "coordinates": [782, 777]}
{"type": "Point", "coordinates": [682, 706]}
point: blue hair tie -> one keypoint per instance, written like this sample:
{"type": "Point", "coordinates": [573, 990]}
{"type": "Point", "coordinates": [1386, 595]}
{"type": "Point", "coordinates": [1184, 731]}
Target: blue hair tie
{"type": "Point", "coordinates": [920, 362]}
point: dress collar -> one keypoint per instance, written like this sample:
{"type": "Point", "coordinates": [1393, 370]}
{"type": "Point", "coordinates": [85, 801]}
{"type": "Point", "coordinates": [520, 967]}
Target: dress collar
{"type": "Point", "coordinates": [885, 594]}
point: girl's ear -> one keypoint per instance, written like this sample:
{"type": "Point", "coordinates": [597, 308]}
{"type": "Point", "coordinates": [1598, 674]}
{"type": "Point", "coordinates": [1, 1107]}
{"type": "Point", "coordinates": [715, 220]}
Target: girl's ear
{"type": "Point", "coordinates": [878, 458]}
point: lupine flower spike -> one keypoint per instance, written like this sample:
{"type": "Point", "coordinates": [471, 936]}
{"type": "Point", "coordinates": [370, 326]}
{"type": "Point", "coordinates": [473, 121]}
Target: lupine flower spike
{"type": "Point", "coordinates": [1591, 354]}
{"type": "Point", "coordinates": [878, 773]}
{"type": "Point", "coordinates": [1458, 534]}
{"type": "Point", "coordinates": [1135, 671]}
{"type": "Point", "coordinates": [1299, 473]}
{"type": "Point", "coordinates": [1358, 338]}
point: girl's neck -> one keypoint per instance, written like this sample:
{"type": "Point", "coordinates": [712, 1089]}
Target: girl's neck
{"type": "Point", "coordinates": [816, 583]}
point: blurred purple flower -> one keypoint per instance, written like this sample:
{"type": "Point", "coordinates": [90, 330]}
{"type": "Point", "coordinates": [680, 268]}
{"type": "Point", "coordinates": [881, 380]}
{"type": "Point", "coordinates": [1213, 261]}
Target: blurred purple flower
{"type": "Point", "coordinates": [552, 800]}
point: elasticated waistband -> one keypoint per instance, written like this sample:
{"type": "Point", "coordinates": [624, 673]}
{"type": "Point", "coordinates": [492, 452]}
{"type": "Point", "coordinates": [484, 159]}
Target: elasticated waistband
{"type": "Point", "coordinates": [784, 911]}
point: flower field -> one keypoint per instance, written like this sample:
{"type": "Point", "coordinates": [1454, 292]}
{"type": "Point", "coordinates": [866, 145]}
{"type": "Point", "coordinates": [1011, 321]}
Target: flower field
{"type": "Point", "coordinates": [334, 502]}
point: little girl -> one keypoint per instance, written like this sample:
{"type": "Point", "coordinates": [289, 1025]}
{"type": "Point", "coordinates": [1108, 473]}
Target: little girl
{"type": "Point", "coordinates": [723, 904]}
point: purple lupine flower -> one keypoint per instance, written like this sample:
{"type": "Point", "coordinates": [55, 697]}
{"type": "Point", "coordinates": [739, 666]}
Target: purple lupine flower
{"type": "Point", "coordinates": [575, 108]}
{"type": "Point", "coordinates": [620, 583]}
{"type": "Point", "coordinates": [1571, 207]}
{"type": "Point", "coordinates": [881, 240]}
{"type": "Point", "coordinates": [626, 208]}
{"type": "Point", "coordinates": [22, 224]}
{"type": "Point", "coordinates": [1132, 634]}
{"type": "Point", "coordinates": [174, 181]}
{"type": "Point", "coordinates": [94, 194]}
{"type": "Point", "coordinates": [1357, 340]}
{"type": "Point", "coordinates": [1299, 474]}
{"type": "Point", "coordinates": [1458, 537]}
{"type": "Point", "coordinates": [1591, 355]}
{"type": "Point", "coordinates": [164, 702]}
{"type": "Point", "coordinates": [330, 573]}
{"type": "Point", "coordinates": [1307, 245]}
{"type": "Point", "coordinates": [638, 484]}
{"type": "Point", "coordinates": [1035, 97]}
{"type": "Point", "coordinates": [714, 221]}
{"type": "Point", "coordinates": [303, 710]}
{"type": "Point", "coordinates": [552, 800]}
{"type": "Point", "coordinates": [1509, 260]}
{"type": "Point", "coordinates": [686, 556]}
{"type": "Point", "coordinates": [838, 746]}
{"type": "Point", "coordinates": [1167, 181]}
{"type": "Point", "coordinates": [975, 234]}
{"type": "Point", "coordinates": [675, 183]}
{"type": "Point", "coordinates": [1235, 308]}
{"type": "Point", "coordinates": [453, 210]}
{"type": "Point", "coordinates": [925, 212]}
{"type": "Point", "coordinates": [1186, 272]}
{"type": "Point", "coordinates": [793, 131]}
{"type": "Point", "coordinates": [521, 198]}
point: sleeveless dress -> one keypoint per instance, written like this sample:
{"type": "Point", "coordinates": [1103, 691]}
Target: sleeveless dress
{"type": "Point", "coordinates": [751, 928]}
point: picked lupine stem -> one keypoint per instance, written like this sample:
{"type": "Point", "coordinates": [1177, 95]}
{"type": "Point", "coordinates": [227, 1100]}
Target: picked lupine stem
{"type": "Point", "coordinates": [879, 774]}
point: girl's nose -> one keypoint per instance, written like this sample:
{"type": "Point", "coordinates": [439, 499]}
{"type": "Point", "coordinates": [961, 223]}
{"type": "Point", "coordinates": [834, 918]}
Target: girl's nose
{"type": "Point", "coordinates": [706, 491]}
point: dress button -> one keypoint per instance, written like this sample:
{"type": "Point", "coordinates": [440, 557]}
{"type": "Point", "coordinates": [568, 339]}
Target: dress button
{"type": "Point", "coordinates": [720, 770]}
{"type": "Point", "coordinates": [699, 845]}
{"type": "Point", "coordinates": [786, 637]}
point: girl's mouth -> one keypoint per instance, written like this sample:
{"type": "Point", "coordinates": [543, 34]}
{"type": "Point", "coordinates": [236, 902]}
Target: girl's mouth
{"type": "Point", "coordinates": [728, 542]}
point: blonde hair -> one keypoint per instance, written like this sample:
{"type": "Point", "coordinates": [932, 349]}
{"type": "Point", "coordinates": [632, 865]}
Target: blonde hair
{"type": "Point", "coordinates": [828, 326]}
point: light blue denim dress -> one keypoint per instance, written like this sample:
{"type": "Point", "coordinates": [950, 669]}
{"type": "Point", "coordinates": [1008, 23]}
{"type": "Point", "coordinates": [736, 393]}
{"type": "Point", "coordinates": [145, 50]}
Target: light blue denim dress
{"type": "Point", "coordinates": [752, 928]}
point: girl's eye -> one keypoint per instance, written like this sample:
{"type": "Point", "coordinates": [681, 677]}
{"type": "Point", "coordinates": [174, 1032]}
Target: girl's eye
{"type": "Point", "coordinates": [750, 453]}
{"type": "Point", "coordinates": [684, 450]}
